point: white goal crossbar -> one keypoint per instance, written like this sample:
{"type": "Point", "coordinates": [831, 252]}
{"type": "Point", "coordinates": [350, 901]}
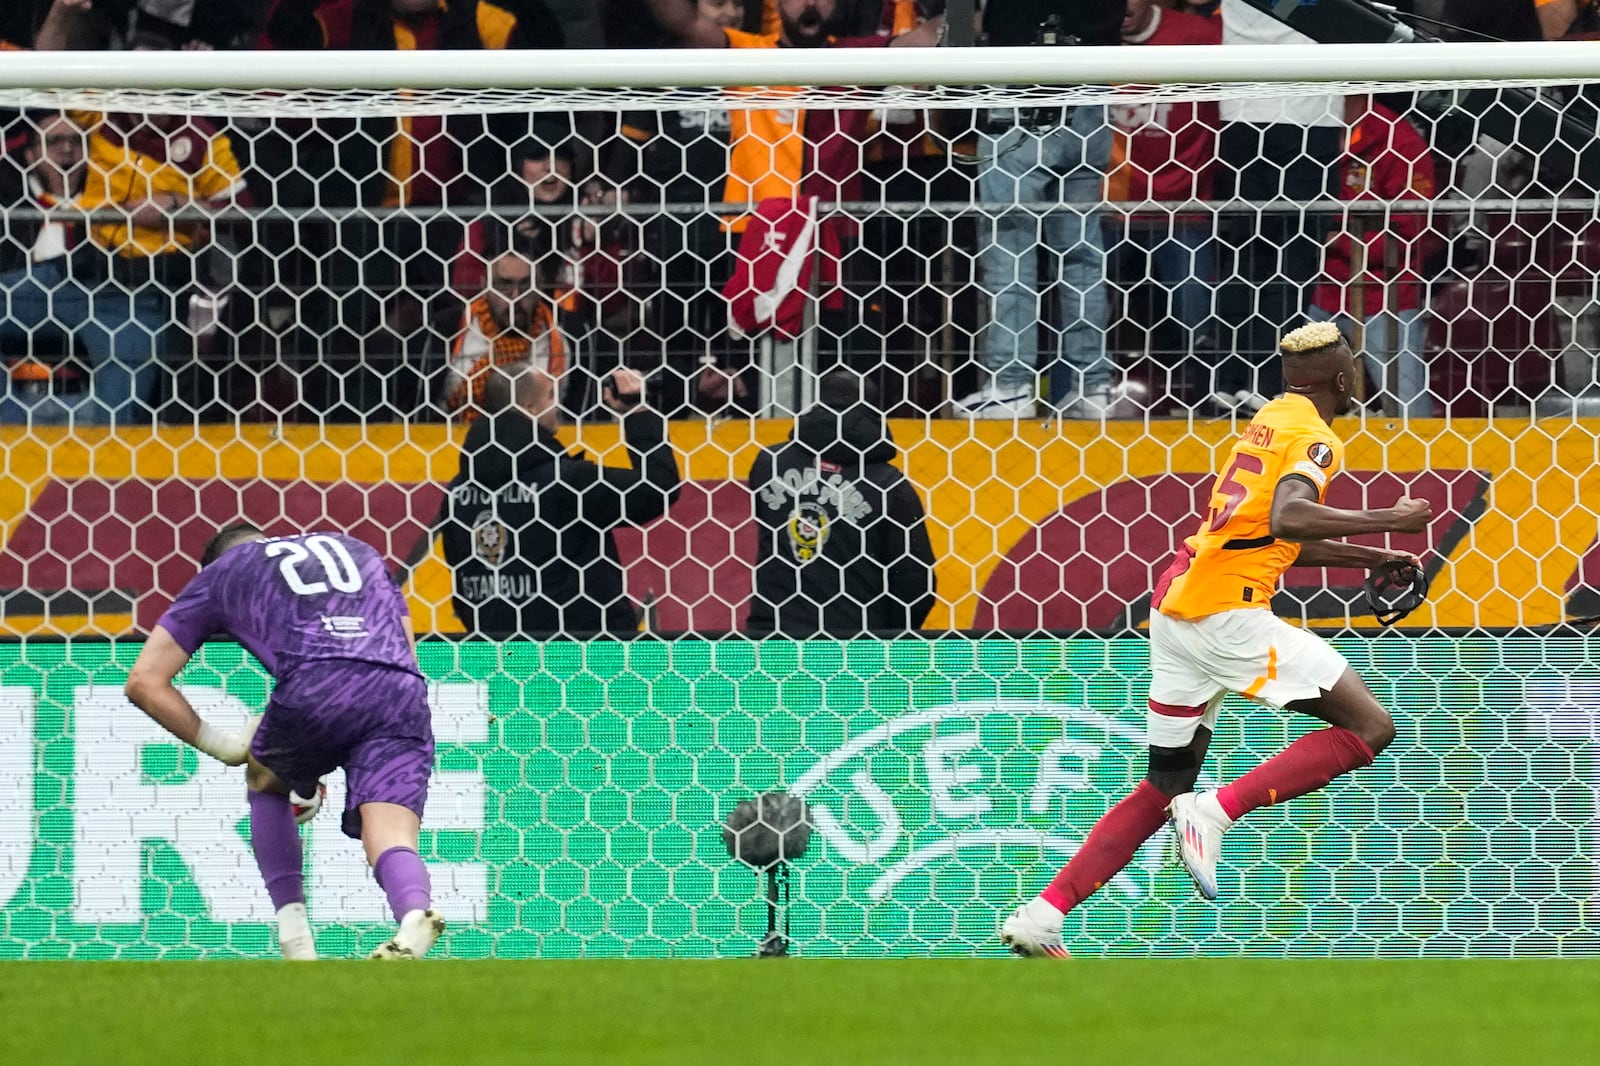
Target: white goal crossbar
{"type": "Point", "coordinates": [324, 82]}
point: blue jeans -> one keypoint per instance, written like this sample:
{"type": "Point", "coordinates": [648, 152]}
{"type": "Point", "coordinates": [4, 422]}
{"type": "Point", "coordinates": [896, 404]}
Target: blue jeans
{"type": "Point", "coordinates": [1063, 165]}
{"type": "Point", "coordinates": [1410, 396]}
{"type": "Point", "coordinates": [1183, 260]}
{"type": "Point", "coordinates": [115, 328]}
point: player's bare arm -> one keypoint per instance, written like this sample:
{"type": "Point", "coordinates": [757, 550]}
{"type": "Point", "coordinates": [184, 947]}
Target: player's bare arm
{"type": "Point", "coordinates": [66, 26]}
{"type": "Point", "coordinates": [151, 689]}
{"type": "Point", "coordinates": [1297, 516]}
{"type": "Point", "coordinates": [924, 36]}
{"type": "Point", "coordinates": [682, 19]}
{"type": "Point", "coordinates": [1355, 556]}
{"type": "Point", "coordinates": [1557, 18]}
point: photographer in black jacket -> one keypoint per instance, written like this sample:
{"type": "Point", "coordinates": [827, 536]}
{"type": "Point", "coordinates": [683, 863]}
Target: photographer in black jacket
{"type": "Point", "coordinates": [841, 536]}
{"type": "Point", "coordinates": [528, 535]}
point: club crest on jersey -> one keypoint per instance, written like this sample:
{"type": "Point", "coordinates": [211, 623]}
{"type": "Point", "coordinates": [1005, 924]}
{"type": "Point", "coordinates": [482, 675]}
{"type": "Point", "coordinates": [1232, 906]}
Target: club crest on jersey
{"type": "Point", "coordinates": [808, 531]}
{"type": "Point", "coordinates": [488, 538]}
{"type": "Point", "coordinates": [1321, 454]}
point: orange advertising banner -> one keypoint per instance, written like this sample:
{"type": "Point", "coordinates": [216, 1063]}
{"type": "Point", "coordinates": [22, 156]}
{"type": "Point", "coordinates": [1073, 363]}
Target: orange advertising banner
{"type": "Point", "coordinates": [1057, 527]}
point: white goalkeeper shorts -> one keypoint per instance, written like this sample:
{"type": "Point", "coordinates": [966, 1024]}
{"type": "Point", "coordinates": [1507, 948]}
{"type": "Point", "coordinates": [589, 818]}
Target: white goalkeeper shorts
{"type": "Point", "coordinates": [1193, 665]}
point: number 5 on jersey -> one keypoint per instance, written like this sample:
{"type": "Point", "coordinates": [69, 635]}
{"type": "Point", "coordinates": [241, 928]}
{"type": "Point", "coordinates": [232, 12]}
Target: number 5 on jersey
{"type": "Point", "coordinates": [1233, 493]}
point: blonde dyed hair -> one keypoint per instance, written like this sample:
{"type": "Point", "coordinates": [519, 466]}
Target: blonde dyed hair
{"type": "Point", "coordinates": [1311, 337]}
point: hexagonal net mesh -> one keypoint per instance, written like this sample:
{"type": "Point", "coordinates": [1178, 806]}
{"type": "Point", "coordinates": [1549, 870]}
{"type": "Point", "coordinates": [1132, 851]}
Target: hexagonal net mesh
{"type": "Point", "coordinates": [1013, 334]}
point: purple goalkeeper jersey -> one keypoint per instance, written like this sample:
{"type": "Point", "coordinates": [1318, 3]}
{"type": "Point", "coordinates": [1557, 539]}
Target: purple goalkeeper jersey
{"type": "Point", "coordinates": [295, 600]}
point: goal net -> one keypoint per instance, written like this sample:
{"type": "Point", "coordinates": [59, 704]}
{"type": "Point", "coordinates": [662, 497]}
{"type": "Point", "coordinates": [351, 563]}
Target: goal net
{"type": "Point", "coordinates": [279, 287]}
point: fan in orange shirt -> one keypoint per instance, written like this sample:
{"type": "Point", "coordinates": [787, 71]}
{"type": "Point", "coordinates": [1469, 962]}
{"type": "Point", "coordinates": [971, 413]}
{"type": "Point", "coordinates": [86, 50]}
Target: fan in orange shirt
{"type": "Point", "coordinates": [1212, 632]}
{"type": "Point", "coordinates": [789, 152]}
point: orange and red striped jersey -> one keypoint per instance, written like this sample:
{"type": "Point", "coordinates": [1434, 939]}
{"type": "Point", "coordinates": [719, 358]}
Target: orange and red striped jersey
{"type": "Point", "coordinates": [130, 160]}
{"type": "Point", "coordinates": [1166, 150]}
{"type": "Point", "coordinates": [783, 153]}
{"type": "Point", "coordinates": [1233, 561]}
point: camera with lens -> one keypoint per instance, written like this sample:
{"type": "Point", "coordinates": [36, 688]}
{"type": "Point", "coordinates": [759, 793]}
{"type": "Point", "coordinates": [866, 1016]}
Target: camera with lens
{"type": "Point", "coordinates": [1062, 23]}
{"type": "Point", "coordinates": [1014, 23]}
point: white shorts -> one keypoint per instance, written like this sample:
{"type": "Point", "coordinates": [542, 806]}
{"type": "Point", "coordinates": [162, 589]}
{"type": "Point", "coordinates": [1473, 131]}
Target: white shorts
{"type": "Point", "coordinates": [1253, 652]}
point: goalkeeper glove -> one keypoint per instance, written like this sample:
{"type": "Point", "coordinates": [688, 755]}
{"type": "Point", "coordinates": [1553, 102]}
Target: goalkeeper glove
{"type": "Point", "coordinates": [305, 808]}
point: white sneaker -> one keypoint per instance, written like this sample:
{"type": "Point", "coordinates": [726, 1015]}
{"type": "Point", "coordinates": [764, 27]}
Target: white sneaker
{"type": "Point", "coordinates": [1226, 401]}
{"type": "Point", "coordinates": [1034, 931]}
{"type": "Point", "coordinates": [1198, 823]}
{"type": "Point", "coordinates": [1243, 402]}
{"type": "Point", "coordinates": [1124, 400]}
{"type": "Point", "coordinates": [1088, 407]}
{"type": "Point", "coordinates": [1250, 401]}
{"type": "Point", "coordinates": [1130, 399]}
{"type": "Point", "coordinates": [417, 934]}
{"type": "Point", "coordinates": [990, 402]}
{"type": "Point", "coordinates": [295, 941]}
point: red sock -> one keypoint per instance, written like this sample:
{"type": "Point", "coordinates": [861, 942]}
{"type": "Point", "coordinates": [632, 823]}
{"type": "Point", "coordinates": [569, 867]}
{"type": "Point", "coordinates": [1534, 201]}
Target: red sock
{"type": "Point", "coordinates": [1110, 847]}
{"type": "Point", "coordinates": [1304, 766]}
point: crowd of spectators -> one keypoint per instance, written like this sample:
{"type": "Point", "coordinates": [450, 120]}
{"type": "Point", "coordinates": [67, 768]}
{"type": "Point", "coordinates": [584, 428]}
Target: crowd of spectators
{"type": "Point", "coordinates": [380, 265]}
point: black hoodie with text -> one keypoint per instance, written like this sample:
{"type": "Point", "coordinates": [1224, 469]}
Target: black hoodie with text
{"type": "Point", "coordinates": [842, 543]}
{"type": "Point", "coordinates": [528, 526]}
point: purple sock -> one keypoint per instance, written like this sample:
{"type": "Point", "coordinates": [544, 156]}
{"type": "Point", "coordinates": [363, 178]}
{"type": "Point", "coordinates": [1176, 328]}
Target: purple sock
{"type": "Point", "coordinates": [404, 879]}
{"type": "Point", "coordinates": [276, 841]}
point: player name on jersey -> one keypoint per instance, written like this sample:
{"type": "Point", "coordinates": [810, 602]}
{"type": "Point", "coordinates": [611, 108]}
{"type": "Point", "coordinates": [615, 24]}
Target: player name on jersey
{"type": "Point", "coordinates": [1257, 434]}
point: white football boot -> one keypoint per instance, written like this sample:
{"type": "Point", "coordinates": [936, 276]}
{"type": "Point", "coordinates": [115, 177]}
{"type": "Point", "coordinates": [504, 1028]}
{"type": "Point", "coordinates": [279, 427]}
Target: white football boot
{"type": "Point", "coordinates": [1034, 931]}
{"type": "Point", "coordinates": [416, 936]}
{"type": "Point", "coordinates": [1198, 823]}
{"type": "Point", "coordinates": [295, 941]}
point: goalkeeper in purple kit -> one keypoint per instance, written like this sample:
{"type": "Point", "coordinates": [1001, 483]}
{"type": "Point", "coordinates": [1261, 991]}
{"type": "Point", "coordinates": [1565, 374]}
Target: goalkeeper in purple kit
{"type": "Point", "coordinates": [326, 621]}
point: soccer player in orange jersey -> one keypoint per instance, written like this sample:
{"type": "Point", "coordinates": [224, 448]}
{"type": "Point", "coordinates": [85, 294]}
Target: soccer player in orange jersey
{"type": "Point", "coordinates": [1212, 631]}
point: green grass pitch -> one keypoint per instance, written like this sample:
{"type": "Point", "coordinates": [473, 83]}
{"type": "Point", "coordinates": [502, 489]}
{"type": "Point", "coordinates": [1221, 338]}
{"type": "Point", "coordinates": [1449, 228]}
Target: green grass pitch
{"type": "Point", "coordinates": [799, 1011]}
